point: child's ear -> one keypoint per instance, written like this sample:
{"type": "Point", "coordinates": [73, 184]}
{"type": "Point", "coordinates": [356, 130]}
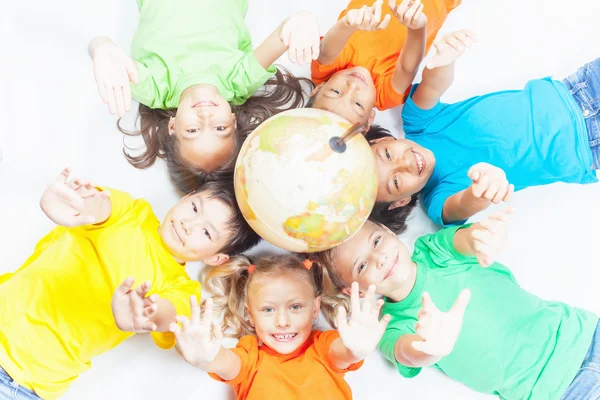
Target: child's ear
{"type": "Point", "coordinates": [382, 139]}
{"type": "Point", "coordinates": [250, 317]}
{"type": "Point", "coordinates": [399, 203]}
{"type": "Point", "coordinates": [348, 292]}
{"type": "Point", "coordinates": [217, 259]}
{"type": "Point", "coordinates": [370, 120]}
{"type": "Point", "coordinates": [316, 89]}
{"type": "Point", "coordinates": [317, 308]}
{"type": "Point", "coordinates": [234, 121]}
{"type": "Point", "coordinates": [171, 126]}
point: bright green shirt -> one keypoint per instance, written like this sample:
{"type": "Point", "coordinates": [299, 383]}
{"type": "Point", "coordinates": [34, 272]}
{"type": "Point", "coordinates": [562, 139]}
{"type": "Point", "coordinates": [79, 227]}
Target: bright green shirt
{"type": "Point", "coordinates": [512, 344]}
{"type": "Point", "coordinates": [181, 43]}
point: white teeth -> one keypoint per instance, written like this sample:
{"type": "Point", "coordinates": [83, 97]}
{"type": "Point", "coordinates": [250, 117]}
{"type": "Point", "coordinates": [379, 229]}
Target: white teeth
{"type": "Point", "coordinates": [289, 336]}
{"type": "Point", "coordinates": [419, 162]}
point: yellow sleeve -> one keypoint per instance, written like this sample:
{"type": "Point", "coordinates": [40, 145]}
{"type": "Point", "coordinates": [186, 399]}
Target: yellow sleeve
{"type": "Point", "coordinates": [179, 295]}
{"type": "Point", "coordinates": [121, 204]}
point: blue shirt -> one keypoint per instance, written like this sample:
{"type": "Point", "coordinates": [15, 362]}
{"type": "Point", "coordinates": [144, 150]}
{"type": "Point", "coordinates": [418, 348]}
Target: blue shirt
{"type": "Point", "coordinates": [536, 135]}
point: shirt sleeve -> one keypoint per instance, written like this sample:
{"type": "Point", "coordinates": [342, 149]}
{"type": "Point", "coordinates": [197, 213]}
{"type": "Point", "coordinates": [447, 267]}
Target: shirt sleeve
{"type": "Point", "coordinates": [321, 73]}
{"type": "Point", "coordinates": [434, 202]}
{"type": "Point", "coordinates": [387, 97]}
{"type": "Point", "coordinates": [121, 203]}
{"type": "Point", "coordinates": [440, 249]}
{"type": "Point", "coordinates": [247, 350]}
{"type": "Point", "coordinates": [322, 342]}
{"type": "Point", "coordinates": [416, 119]}
{"type": "Point", "coordinates": [179, 295]}
{"type": "Point", "coordinates": [387, 347]}
{"type": "Point", "coordinates": [145, 91]}
{"type": "Point", "coordinates": [247, 77]}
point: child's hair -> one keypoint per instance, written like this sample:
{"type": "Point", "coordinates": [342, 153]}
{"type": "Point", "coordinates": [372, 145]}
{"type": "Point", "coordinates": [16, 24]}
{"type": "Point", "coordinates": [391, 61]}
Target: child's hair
{"type": "Point", "coordinates": [281, 92]}
{"type": "Point", "coordinates": [394, 219]}
{"type": "Point", "coordinates": [243, 237]}
{"type": "Point", "coordinates": [228, 286]}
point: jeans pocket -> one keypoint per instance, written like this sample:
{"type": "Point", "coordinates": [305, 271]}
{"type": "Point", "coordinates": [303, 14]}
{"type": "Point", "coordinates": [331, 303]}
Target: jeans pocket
{"type": "Point", "coordinates": [586, 384]}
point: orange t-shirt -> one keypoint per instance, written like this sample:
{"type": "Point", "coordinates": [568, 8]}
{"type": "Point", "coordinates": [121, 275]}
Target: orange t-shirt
{"type": "Point", "coordinates": [378, 51]}
{"type": "Point", "coordinates": [306, 373]}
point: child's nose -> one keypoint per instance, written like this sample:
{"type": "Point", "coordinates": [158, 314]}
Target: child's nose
{"type": "Point", "coordinates": [380, 259]}
{"type": "Point", "coordinates": [282, 320]}
{"type": "Point", "coordinates": [187, 227]}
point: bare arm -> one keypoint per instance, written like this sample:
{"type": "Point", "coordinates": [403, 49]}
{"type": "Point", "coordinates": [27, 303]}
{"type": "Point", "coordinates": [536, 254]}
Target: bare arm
{"type": "Point", "coordinates": [334, 41]}
{"type": "Point", "coordinates": [226, 364]}
{"type": "Point", "coordinates": [271, 48]}
{"type": "Point", "coordinates": [409, 60]}
{"type": "Point", "coordinates": [340, 355]}
{"type": "Point", "coordinates": [408, 356]}
{"type": "Point", "coordinates": [463, 205]}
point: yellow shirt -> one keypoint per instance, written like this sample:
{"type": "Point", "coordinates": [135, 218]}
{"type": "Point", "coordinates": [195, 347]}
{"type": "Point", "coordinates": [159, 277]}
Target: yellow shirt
{"type": "Point", "coordinates": [55, 310]}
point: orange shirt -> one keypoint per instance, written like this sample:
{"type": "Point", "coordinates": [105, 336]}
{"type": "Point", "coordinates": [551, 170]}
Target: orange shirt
{"type": "Point", "coordinates": [306, 373]}
{"type": "Point", "coordinates": [378, 51]}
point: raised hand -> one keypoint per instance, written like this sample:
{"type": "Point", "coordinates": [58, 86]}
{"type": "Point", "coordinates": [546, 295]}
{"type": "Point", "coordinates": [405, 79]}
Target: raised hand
{"type": "Point", "coordinates": [491, 236]}
{"type": "Point", "coordinates": [113, 70]}
{"type": "Point", "coordinates": [199, 340]}
{"type": "Point", "coordinates": [489, 182]}
{"type": "Point", "coordinates": [409, 13]}
{"type": "Point", "coordinates": [64, 202]}
{"type": "Point", "coordinates": [451, 46]}
{"type": "Point", "coordinates": [363, 331]}
{"type": "Point", "coordinates": [367, 18]}
{"type": "Point", "coordinates": [300, 34]}
{"type": "Point", "coordinates": [131, 308]}
{"type": "Point", "coordinates": [440, 330]}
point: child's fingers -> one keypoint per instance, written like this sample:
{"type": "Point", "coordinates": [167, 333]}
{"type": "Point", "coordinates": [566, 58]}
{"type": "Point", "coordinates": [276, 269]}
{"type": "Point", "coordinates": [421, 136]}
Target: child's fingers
{"type": "Point", "coordinates": [427, 302]}
{"type": "Point", "coordinates": [509, 192]}
{"type": "Point", "coordinates": [367, 299]}
{"type": "Point", "coordinates": [401, 8]}
{"type": "Point", "coordinates": [150, 311]}
{"type": "Point", "coordinates": [341, 319]}
{"type": "Point", "coordinates": [110, 97]}
{"type": "Point", "coordinates": [354, 297]}
{"type": "Point", "coordinates": [63, 176]}
{"type": "Point", "coordinates": [125, 286]}
{"type": "Point", "coordinates": [386, 21]}
{"type": "Point", "coordinates": [367, 17]}
{"type": "Point", "coordinates": [463, 38]}
{"type": "Point", "coordinates": [383, 323]}
{"type": "Point", "coordinates": [285, 35]}
{"type": "Point", "coordinates": [461, 303]}
{"type": "Point", "coordinates": [148, 326]}
{"type": "Point", "coordinates": [173, 327]}
{"type": "Point", "coordinates": [119, 100]}
{"type": "Point", "coordinates": [292, 56]}
{"type": "Point", "coordinates": [412, 10]}
{"type": "Point", "coordinates": [132, 72]}
{"type": "Point", "coordinates": [216, 331]}
{"type": "Point", "coordinates": [307, 55]}
{"type": "Point", "coordinates": [208, 311]}
{"type": "Point", "coordinates": [418, 14]}
{"type": "Point", "coordinates": [376, 10]}
{"type": "Point", "coordinates": [143, 289]}
{"type": "Point", "coordinates": [455, 44]}
{"type": "Point", "coordinates": [470, 34]}
{"type": "Point", "coordinates": [422, 346]}
{"type": "Point", "coordinates": [480, 235]}
{"type": "Point", "coordinates": [474, 173]}
{"type": "Point", "coordinates": [82, 220]}
{"type": "Point", "coordinates": [484, 260]}
{"type": "Point", "coordinates": [492, 189]}
{"type": "Point", "coordinates": [502, 190]}
{"type": "Point", "coordinates": [377, 307]}
{"type": "Point", "coordinates": [127, 96]}
{"type": "Point", "coordinates": [183, 320]}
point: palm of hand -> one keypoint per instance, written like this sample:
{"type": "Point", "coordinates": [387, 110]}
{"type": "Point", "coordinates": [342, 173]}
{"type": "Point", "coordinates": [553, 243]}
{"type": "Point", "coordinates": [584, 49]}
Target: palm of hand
{"type": "Point", "coordinates": [445, 54]}
{"type": "Point", "coordinates": [362, 334]}
{"type": "Point", "coordinates": [198, 344]}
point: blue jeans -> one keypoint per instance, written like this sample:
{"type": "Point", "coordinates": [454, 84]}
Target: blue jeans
{"type": "Point", "coordinates": [586, 384]}
{"type": "Point", "coordinates": [584, 86]}
{"type": "Point", "coordinates": [10, 390]}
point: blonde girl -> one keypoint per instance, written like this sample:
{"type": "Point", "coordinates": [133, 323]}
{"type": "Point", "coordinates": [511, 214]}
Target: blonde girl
{"type": "Point", "coordinates": [192, 67]}
{"type": "Point", "coordinates": [271, 306]}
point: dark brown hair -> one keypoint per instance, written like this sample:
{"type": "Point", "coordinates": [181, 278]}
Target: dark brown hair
{"type": "Point", "coordinates": [281, 92]}
{"type": "Point", "coordinates": [228, 286]}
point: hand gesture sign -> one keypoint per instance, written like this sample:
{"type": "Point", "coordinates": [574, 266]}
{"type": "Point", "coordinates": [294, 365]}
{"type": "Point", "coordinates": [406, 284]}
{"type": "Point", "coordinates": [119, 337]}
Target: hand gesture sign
{"type": "Point", "coordinates": [363, 331]}
{"type": "Point", "coordinates": [409, 13]}
{"type": "Point", "coordinates": [300, 34]}
{"type": "Point", "coordinates": [63, 202]}
{"type": "Point", "coordinates": [451, 46]}
{"type": "Point", "coordinates": [131, 309]}
{"type": "Point", "coordinates": [489, 182]}
{"type": "Point", "coordinates": [199, 339]}
{"type": "Point", "coordinates": [367, 18]}
{"type": "Point", "coordinates": [113, 69]}
{"type": "Point", "coordinates": [440, 330]}
{"type": "Point", "coordinates": [491, 237]}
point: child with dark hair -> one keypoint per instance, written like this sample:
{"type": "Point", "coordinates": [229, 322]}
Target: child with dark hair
{"type": "Point", "coordinates": [192, 69]}
{"type": "Point", "coordinates": [463, 157]}
{"type": "Point", "coordinates": [56, 309]}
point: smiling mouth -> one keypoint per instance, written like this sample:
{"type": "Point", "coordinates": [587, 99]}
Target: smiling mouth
{"type": "Point", "coordinates": [177, 234]}
{"type": "Point", "coordinates": [392, 268]}
{"type": "Point", "coordinates": [284, 337]}
{"type": "Point", "coordinates": [359, 77]}
{"type": "Point", "coordinates": [205, 103]}
{"type": "Point", "coordinates": [421, 164]}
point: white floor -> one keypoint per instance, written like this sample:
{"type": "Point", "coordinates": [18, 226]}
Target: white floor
{"type": "Point", "coordinates": [52, 117]}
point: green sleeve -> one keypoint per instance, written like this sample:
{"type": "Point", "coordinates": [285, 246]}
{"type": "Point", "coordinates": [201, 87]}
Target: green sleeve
{"type": "Point", "coordinates": [247, 77]}
{"type": "Point", "coordinates": [437, 249]}
{"type": "Point", "coordinates": [387, 346]}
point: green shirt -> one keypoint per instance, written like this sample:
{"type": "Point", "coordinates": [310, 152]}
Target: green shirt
{"type": "Point", "coordinates": [512, 344]}
{"type": "Point", "coordinates": [181, 43]}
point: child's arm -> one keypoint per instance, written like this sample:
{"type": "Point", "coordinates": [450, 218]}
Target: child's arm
{"type": "Point", "coordinates": [299, 34]}
{"type": "Point", "coordinates": [411, 16]}
{"type": "Point", "coordinates": [489, 185]}
{"type": "Point", "coordinates": [76, 202]}
{"type": "Point", "coordinates": [360, 335]}
{"type": "Point", "coordinates": [199, 342]}
{"type": "Point", "coordinates": [113, 69]}
{"type": "Point", "coordinates": [134, 312]}
{"type": "Point", "coordinates": [436, 335]}
{"type": "Point", "coordinates": [439, 71]}
{"type": "Point", "coordinates": [484, 239]}
{"type": "Point", "coordinates": [362, 19]}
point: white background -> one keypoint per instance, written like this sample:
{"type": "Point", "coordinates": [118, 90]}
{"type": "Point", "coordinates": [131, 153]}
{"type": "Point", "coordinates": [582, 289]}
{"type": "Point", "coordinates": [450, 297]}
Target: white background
{"type": "Point", "coordinates": [52, 116]}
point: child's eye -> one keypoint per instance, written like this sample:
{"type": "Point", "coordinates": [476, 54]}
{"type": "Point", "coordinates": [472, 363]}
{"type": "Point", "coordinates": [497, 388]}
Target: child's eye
{"type": "Point", "coordinates": [336, 91]}
{"type": "Point", "coordinates": [268, 309]}
{"type": "Point", "coordinates": [387, 154]}
{"type": "Point", "coordinates": [192, 130]}
{"type": "Point", "coordinates": [220, 128]}
{"type": "Point", "coordinates": [358, 104]}
{"type": "Point", "coordinates": [361, 267]}
{"type": "Point", "coordinates": [207, 233]}
{"type": "Point", "coordinates": [396, 182]}
{"type": "Point", "coordinates": [296, 307]}
{"type": "Point", "coordinates": [194, 208]}
{"type": "Point", "coordinates": [377, 240]}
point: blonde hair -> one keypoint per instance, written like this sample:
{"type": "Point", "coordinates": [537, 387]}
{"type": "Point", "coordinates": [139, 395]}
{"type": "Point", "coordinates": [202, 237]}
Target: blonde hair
{"type": "Point", "coordinates": [228, 286]}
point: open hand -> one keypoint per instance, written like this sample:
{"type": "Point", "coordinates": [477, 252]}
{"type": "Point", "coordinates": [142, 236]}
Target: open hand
{"type": "Point", "coordinates": [440, 330]}
{"type": "Point", "coordinates": [489, 182]}
{"type": "Point", "coordinates": [361, 334]}
{"type": "Point", "coordinates": [199, 340]}
{"type": "Point", "coordinates": [300, 34]}
{"type": "Point", "coordinates": [132, 310]}
{"type": "Point", "coordinates": [491, 236]}
{"type": "Point", "coordinates": [451, 46]}
{"type": "Point", "coordinates": [63, 202]}
{"type": "Point", "coordinates": [409, 13]}
{"type": "Point", "coordinates": [113, 69]}
{"type": "Point", "coordinates": [367, 18]}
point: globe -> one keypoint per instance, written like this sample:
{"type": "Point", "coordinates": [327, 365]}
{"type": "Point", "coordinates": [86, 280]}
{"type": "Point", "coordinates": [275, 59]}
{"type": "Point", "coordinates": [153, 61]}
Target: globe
{"type": "Point", "coordinates": [295, 191]}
